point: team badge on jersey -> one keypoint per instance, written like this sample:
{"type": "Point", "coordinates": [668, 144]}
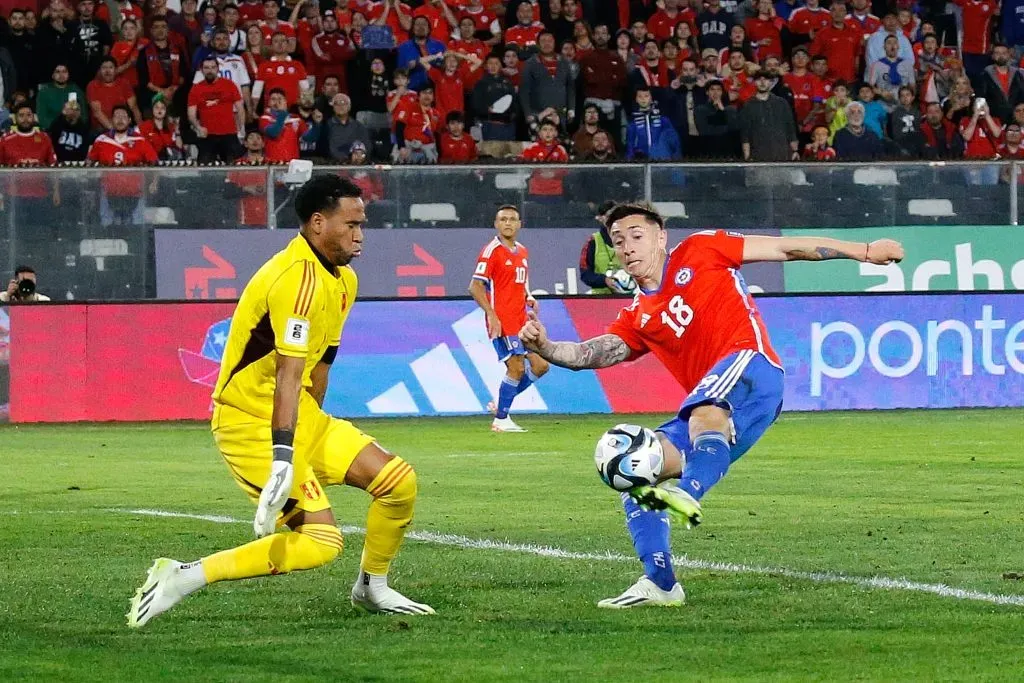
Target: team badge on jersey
{"type": "Point", "coordinates": [683, 276]}
{"type": "Point", "coordinates": [310, 490]}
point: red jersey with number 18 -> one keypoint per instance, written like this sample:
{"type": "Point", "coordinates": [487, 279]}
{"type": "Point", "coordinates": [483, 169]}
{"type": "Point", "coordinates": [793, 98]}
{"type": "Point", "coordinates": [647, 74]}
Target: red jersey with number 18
{"type": "Point", "coordinates": [504, 271]}
{"type": "Point", "coordinates": [701, 313]}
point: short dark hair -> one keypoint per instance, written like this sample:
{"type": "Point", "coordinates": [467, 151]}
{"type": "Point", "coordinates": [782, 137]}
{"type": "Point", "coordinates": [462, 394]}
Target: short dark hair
{"type": "Point", "coordinates": [819, 58]}
{"type": "Point", "coordinates": [16, 10]}
{"type": "Point", "coordinates": [905, 87]}
{"type": "Point", "coordinates": [221, 31]}
{"type": "Point", "coordinates": [124, 108]}
{"type": "Point", "coordinates": [23, 105]}
{"type": "Point", "coordinates": [322, 194]}
{"type": "Point", "coordinates": [507, 207]}
{"type": "Point", "coordinates": [606, 206]}
{"type": "Point", "coordinates": [105, 60]}
{"type": "Point", "coordinates": [548, 122]}
{"type": "Point", "coordinates": [454, 117]}
{"type": "Point", "coordinates": [276, 91]}
{"type": "Point", "coordinates": [18, 270]}
{"type": "Point", "coordinates": [627, 209]}
{"type": "Point", "coordinates": [995, 45]}
{"type": "Point", "coordinates": [229, 5]}
{"type": "Point", "coordinates": [157, 20]}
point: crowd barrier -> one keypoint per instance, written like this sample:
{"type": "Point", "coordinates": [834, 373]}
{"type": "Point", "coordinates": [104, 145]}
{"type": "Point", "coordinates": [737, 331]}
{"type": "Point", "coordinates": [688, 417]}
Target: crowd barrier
{"type": "Point", "coordinates": [196, 232]}
{"type": "Point", "coordinates": [159, 361]}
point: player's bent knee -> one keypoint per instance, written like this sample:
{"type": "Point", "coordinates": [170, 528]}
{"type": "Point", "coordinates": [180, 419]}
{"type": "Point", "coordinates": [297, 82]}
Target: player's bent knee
{"type": "Point", "coordinates": [708, 418]}
{"type": "Point", "coordinates": [396, 483]}
{"type": "Point", "coordinates": [311, 546]}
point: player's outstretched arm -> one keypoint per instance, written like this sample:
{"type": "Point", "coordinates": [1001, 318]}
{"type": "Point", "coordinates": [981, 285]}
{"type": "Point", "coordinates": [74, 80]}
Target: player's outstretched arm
{"type": "Point", "coordinates": [598, 352]}
{"type": "Point", "coordinates": [761, 248]}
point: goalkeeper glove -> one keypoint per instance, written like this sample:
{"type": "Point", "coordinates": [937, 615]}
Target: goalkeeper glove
{"type": "Point", "coordinates": [275, 493]}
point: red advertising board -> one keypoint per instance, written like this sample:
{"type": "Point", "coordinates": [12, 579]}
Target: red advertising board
{"type": "Point", "coordinates": [108, 362]}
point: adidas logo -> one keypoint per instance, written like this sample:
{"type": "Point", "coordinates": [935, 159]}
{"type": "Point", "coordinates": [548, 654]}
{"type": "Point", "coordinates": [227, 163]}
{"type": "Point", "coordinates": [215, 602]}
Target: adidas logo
{"type": "Point", "coordinates": [508, 262]}
{"type": "Point", "coordinates": [644, 317]}
{"type": "Point", "coordinates": [446, 385]}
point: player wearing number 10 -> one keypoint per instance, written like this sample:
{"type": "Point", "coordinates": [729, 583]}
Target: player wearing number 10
{"type": "Point", "coordinates": [693, 312]}
{"type": "Point", "coordinates": [501, 287]}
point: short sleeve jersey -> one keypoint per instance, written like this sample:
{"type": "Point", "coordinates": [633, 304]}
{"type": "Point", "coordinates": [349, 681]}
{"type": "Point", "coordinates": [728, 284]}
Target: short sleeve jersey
{"type": "Point", "coordinates": [295, 305]}
{"type": "Point", "coordinates": [701, 313]}
{"type": "Point", "coordinates": [504, 271]}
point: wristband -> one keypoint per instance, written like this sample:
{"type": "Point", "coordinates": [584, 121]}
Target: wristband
{"type": "Point", "coordinates": [282, 440]}
{"type": "Point", "coordinates": [867, 250]}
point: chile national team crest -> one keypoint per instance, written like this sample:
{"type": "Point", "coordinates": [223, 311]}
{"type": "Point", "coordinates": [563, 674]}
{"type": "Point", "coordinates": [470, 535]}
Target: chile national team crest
{"type": "Point", "coordinates": [203, 367]}
{"type": "Point", "coordinates": [683, 276]}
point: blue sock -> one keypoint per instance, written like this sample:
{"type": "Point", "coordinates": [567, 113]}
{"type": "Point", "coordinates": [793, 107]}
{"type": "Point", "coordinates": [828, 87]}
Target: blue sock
{"type": "Point", "coordinates": [506, 393]}
{"type": "Point", "coordinates": [528, 379]}
{"type": "Point", "coordinates": [650, 540]}
{"type": "Point", "coordinates": [706, 463]}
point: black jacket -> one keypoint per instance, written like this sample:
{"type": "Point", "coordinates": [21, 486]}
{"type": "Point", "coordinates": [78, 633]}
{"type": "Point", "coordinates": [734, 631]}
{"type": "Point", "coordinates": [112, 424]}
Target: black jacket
{"type": "Point", "coordinates": [70, 142]}
{"type": "Point", "coordinates": [999, 103]}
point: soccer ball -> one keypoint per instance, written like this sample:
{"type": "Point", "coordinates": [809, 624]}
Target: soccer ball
{"type": "Point", "coordinates": [628, 456]}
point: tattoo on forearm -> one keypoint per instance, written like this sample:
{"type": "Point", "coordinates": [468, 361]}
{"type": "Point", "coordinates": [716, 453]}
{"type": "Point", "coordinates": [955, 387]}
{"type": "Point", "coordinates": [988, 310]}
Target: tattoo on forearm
{"type": "Point", "coordinates": [816, 254]}
{"type": "Point", "coordinates": [599, 352]}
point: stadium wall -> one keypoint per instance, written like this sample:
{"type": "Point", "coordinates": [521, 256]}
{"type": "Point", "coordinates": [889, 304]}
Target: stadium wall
{"type": "Point", "coordinates": [158, 361]}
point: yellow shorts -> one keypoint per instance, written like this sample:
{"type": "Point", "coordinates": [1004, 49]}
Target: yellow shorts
{"type": "Point", "coordinates": [324, 450]}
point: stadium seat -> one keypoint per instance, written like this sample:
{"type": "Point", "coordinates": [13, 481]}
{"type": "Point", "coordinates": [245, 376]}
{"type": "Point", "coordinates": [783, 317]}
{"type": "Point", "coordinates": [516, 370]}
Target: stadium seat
{"type": "Point", "coordinates": [512, 181]}
{"type": "Point", "coordinates": [671, 209]}
{"type": "Point", "coordinates": [930, 208]}
{"type": "Point", "coordinates": [433, 213]}
{"type": "Point", "coordinates": [160, 215]}
{"type": "Point", "coordinates": [875, 176]}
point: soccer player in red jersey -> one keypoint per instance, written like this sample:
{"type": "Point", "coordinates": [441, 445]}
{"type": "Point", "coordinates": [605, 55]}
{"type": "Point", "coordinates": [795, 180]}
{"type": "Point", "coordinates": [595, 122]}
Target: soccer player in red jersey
{"type": "Point", "coordinates": [501, 287]}
{"type": "Point", "coordinates": [694, 313]}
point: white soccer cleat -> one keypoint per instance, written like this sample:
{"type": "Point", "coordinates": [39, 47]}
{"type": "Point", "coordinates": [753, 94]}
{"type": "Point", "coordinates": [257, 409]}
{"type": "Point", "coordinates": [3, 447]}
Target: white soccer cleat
{"type": "Point", "coordinates": [385, 600]}
{"type": "Point", "coordinates": [645, 593]}
{"type": "Point", "coordinates": [159, 593]}
{"type": "Point", "coordinates": [505, 424]}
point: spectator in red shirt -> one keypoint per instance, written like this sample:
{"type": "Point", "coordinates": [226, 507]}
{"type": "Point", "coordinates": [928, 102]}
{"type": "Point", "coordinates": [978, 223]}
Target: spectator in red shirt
{"type": "Point", "coordinates": [161, 133]}
{"type": "Point", "coordinates": [26, 145]}
{"type": "Point", "coordinates": [808, 94]}
{"type": "Point", "coordinates": [250, 12]}
{"type": "Point", "coordinates": [1001, 83]}
{"type": "Point", "coordinates": [442, 20]}
{"type": "Point", "coordinates": [841, 44]}
{"type": "Point", "coordinates": [251, 184]}
{"type": "Point", "coordinates": [862, 20]}
{"type": "Point", "coordinates": [416, 129]}
{"type": "Point", "coordinates": [271, 25]}
{"type": "Point", "coordinates": [941, 138]}
{"type": "Point", "coordinates": [162, 66]}
{"type": "Point", "coordinates": [216, 113]}
{"type": "Point", "coordinates": [818, 149]}
{"type": "Point", "coordinates": [126, 51]}
{"type": "Point", "coordinates": [547, 148]}
{"type": "Point", "coordinates": [1011, 149]}
{"type": "Point", "coordinates": [981, 133]}
{"type": "Point", "coordinates": [126, 10]}
{"type": "Point", "coordinates": [512, 66]}
{"type": "Point", "coordinates": [485, 22]}
{"type": "Point", "coordinates": [662, 24]}
{"type": "Point", "coordinates": [331, 51]}
{"type": "Point", "coordinates": [467, 42]}
{"type": "Point", "coordinates": [449, 82]}
{"type": "Point", "coordinates": [107, 91]}
{"type": "Point", "coordinates": [977, 31]}
{"type": "Point", "coordinates": [765, 31]}
{"type": "Point", "coordinates": [253, 56]}
{"type": "Point", "coordinates": [122, 146]}
{"type": "Point", "coordinates": [525, 33]}
{"type": "Point", "coordinates": [281, 72]}
{"type": "Point", "coordinates": [806, 21]}
{"type": "Point", "coordinates": [455, 147]}
{"type": "Point", "coordinates": [283, 132]}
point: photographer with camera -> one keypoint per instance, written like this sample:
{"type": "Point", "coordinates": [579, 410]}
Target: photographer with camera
{"type": "Point", "coordinates": [22, 289]}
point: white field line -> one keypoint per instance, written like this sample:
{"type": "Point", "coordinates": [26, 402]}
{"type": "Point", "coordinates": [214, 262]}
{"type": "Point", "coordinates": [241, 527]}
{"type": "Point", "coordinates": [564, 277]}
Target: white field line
{"type": "Point", "coordinates": [498, 455]}
{"type": "Point", "coordinates": [455, 541]}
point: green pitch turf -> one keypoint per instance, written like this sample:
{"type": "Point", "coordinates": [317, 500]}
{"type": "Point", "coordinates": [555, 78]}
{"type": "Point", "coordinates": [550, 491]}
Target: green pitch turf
{"type": "Point", "coordinates": [931, 497]}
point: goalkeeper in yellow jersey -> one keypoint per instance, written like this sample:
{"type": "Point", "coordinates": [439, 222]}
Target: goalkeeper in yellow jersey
{"type": "Point", "coordinates": [280, 446]}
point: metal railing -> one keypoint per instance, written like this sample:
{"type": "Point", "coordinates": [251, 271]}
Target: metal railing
{"type": "Point", "coordinates": [92, 229]}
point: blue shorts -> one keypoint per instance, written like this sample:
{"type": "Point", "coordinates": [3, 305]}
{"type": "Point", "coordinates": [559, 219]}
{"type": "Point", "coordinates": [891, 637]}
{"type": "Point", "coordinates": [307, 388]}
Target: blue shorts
{"type": "Point", "coordinates": [744, 383]}
{"type": "Point", "coordinates": [506, 347]}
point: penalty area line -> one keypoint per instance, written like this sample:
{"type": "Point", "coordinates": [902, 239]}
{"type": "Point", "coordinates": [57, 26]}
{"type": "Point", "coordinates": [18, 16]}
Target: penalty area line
{"type": "Point", "coordinates": [456, 541]}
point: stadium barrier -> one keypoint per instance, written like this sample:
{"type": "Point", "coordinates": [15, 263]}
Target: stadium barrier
{"type": "Point", "coordinates": [159, 361]}
{"type": "Point", "coordinates": [99, 246]}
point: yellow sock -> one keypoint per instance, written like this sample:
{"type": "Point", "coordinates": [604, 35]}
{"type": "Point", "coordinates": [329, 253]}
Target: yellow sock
{"type": "Point", "coordinates": [394, 495]}
{"type": "Point", "coordinates": [309, 546]}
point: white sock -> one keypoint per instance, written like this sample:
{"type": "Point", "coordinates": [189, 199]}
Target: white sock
{"type": "Point", "coordinates": [191, 577]}
{"type": "Point", "coordinates": [373, 581]}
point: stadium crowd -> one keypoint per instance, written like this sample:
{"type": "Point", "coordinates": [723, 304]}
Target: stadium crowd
{"type": "Point", "coordinates": [451, 81]}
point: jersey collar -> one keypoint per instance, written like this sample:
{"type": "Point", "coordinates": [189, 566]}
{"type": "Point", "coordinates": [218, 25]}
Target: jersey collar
{"type": "Point", "coordinates": [330, 267]}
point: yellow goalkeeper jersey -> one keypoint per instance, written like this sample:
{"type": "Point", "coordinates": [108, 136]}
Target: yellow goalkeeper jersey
{"type": "Point", "coordinates": [295, 305]}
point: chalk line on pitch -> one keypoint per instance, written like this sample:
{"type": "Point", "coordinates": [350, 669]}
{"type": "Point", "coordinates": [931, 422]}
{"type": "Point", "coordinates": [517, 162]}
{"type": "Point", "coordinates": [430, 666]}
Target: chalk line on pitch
{"type": "Point", "coordinates": [456, 541]}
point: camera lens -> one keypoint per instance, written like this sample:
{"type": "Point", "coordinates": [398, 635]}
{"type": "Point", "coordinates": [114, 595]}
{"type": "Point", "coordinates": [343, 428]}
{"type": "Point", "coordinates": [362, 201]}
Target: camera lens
{"type": "Point", "coordinates": [26, 288]}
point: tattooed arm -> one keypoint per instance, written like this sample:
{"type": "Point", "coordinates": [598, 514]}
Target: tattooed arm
{"type": "Point", "coordinates": [760, 248]}
{"type": "Point", "coordinates": [599, 352]}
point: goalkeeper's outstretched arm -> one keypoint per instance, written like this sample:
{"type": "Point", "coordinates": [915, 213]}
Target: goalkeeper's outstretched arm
{"type": "Point", "coordinates": [599, 352]}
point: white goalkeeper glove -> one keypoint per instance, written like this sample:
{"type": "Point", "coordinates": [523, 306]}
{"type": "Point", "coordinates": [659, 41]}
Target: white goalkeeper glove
{"type": "Point", "coordinates": [273, 496]}
{"type": "Point", "coordinates": [623, 283]}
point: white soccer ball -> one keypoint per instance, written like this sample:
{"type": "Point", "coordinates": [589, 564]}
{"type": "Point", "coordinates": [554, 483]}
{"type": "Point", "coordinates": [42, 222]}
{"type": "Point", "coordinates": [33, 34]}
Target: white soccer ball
{"type": "Point", "coordinates": [628, 456]}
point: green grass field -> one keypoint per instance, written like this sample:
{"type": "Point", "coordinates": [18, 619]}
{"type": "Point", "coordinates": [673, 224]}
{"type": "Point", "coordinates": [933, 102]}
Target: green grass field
{"type": "Point", "coordinates": [931, 497]}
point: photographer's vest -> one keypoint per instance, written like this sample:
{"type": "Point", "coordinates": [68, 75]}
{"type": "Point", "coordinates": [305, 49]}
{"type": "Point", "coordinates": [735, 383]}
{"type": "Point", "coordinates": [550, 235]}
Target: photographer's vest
{"type": "Point", "coordinates": [604, 260]}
